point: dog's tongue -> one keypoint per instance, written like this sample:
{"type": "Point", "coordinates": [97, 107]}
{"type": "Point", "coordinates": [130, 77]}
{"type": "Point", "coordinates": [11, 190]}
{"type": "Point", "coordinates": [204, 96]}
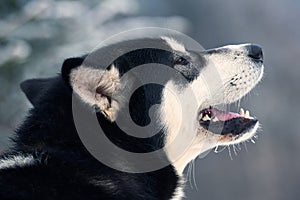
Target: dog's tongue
{"type": "Point", "coordinates": [224, 116]}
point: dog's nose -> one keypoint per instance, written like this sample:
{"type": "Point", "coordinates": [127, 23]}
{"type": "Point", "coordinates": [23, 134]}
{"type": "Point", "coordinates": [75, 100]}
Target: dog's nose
{"type": "Point", "coordinates": [255, 52]}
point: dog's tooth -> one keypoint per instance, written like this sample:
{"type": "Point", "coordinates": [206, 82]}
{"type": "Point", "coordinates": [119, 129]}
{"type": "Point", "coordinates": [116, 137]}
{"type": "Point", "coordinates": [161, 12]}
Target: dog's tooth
{"type": "Point", "coordinates": [206, 118]}
{"type": "Point", "coordinates": [215, 119]}
{"type": "Point", "coordinates": [247, 114]}
{"type": "Point", "coordinates": [200, 116]}
{"type": "Point", "coordinates": [242, 112]}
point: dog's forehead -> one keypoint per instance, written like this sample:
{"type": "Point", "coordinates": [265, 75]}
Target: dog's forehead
{"type": "Point", "coordinates": [174, 44]}
{"type": "Point", "coordinates": [163, 50]}
{"type": "Point", "coordinates": [108, 51]}
{"type": "Point", "coordinates": [127, 45]}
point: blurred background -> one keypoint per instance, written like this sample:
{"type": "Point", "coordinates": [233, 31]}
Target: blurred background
{"type": "Point", "coordinates": [36, 36]}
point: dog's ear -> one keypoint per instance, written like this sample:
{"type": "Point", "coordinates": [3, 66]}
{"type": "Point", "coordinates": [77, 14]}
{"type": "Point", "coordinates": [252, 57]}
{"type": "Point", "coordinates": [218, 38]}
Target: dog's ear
{"type": "Point", "coordinates": [97, 87]}
{"type": "Point", "coordinates": [33, 88]}
{"type": "Point", "coordinates": [68, 65]}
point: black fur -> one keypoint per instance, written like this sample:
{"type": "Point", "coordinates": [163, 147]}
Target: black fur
{"type": "Point", "coordinates": [63, 168]}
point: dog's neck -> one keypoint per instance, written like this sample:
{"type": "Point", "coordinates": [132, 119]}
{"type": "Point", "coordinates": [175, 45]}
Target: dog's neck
{"type": "Point", "coordinates": [179, 116]}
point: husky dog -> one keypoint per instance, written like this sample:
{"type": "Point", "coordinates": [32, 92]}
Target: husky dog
{"type": "Point", "coordinates": [49, 161]}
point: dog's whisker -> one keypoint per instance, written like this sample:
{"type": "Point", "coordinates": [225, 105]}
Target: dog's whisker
{"type": "Point", "coordinates": [216, 149]}
{"type": "Point", "coordinates": [229, 151]}
{"type": "Point", "coordinates": [194, 175]}
{"type": "Point", "coordinates": [234, 149]}
{"type": "Point", "coordinates": [239, 146]}
{"type": "Point", "coordinates": [245, 145]}
{"type": "Point", "coordinates": [189, 178]}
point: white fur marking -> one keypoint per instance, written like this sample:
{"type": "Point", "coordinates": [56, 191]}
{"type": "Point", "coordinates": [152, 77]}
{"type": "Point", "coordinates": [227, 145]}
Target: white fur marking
{"type": "Point", "coordinates": [179, 193]}
{"type": "Point", "coordinates": [16, 161]}
{"type": "Point", "coordinates": [174, 44]}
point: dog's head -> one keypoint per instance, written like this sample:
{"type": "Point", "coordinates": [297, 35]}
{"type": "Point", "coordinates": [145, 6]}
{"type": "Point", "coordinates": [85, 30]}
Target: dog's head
{"type": "Point", "coordinates": [187, 109]}
{"type": "Point", "coordinates": [224, 76]}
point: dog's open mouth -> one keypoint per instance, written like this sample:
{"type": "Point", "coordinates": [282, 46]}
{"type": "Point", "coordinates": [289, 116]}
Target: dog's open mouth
{"type": "Point", "coordinates": [223, 123]}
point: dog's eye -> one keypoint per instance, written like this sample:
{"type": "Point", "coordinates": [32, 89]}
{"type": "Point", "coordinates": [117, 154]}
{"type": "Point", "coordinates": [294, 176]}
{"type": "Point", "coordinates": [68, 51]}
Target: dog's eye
{"type": "Point", "coordinates": [181, 61]}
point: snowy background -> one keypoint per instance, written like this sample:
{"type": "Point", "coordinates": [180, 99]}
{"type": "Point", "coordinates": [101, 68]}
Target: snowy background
{"type": "Point", "coordinates": [36, 36]}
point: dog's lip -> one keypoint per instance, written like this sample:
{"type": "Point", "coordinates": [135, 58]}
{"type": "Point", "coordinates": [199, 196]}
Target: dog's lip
{"type": "Point", "coordinates": [223, 122]}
